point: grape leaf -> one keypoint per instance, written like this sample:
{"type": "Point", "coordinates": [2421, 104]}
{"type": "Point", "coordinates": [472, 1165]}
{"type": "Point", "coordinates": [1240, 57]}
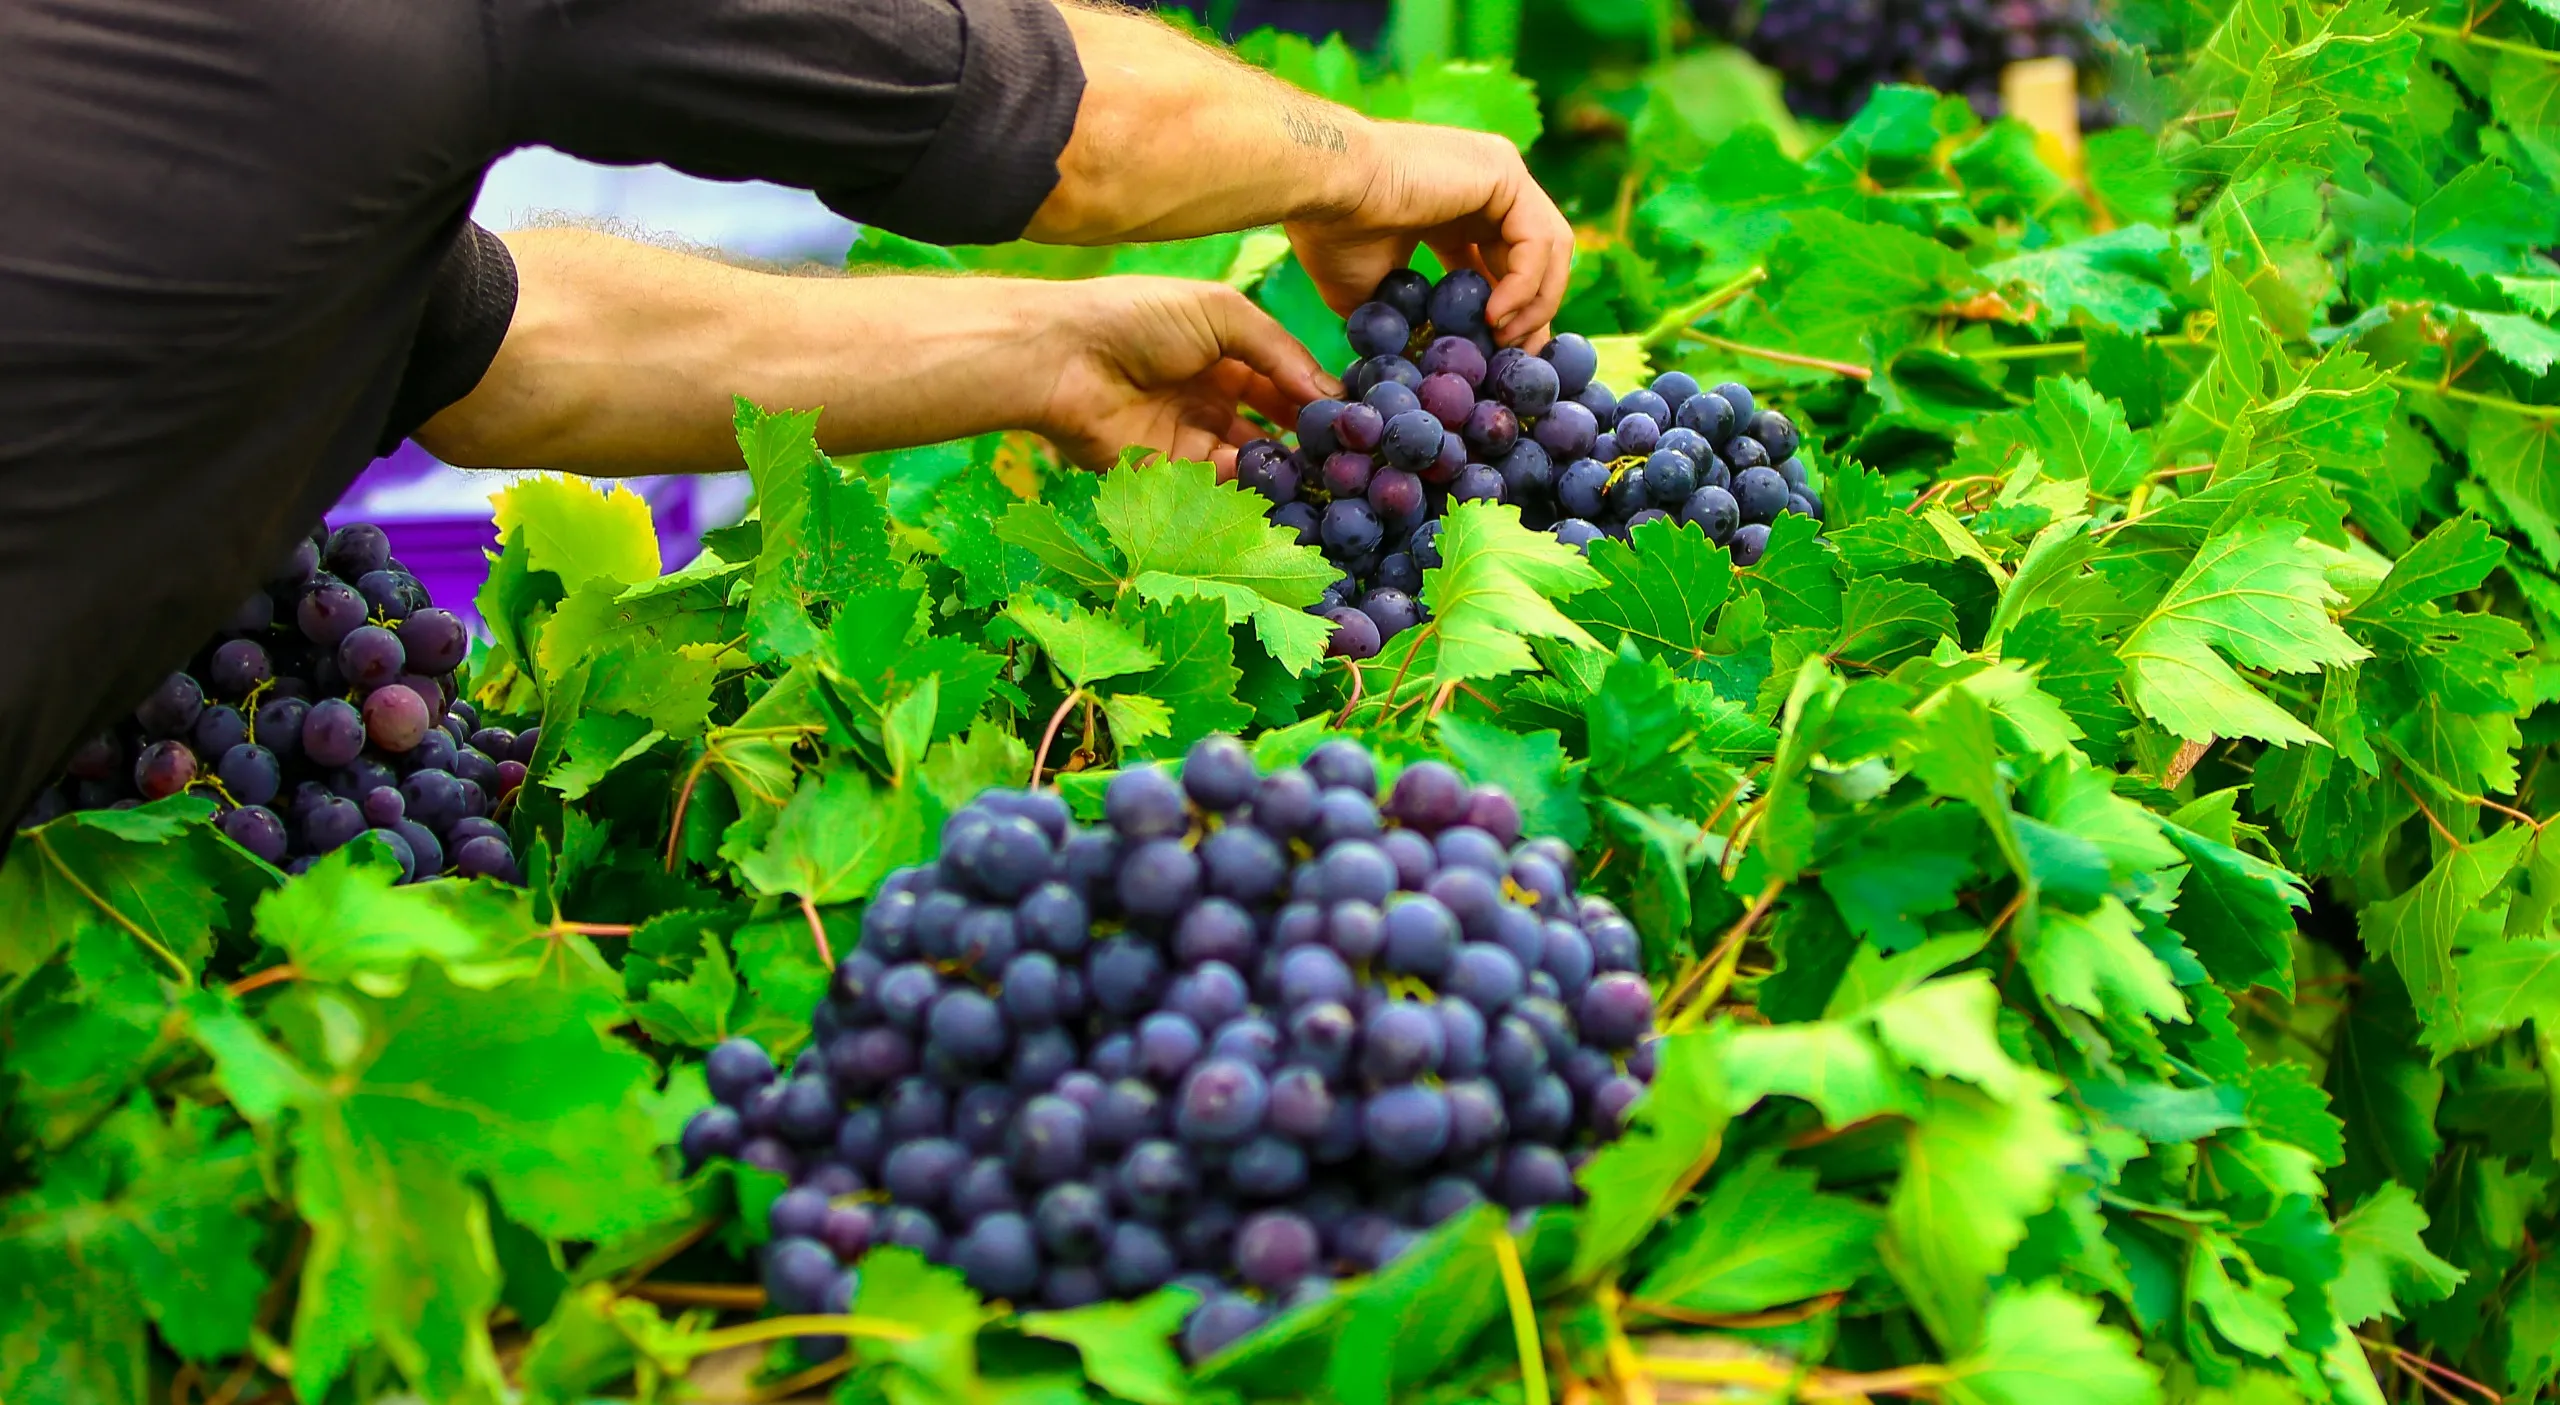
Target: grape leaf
{"type": "Point", "coordinates": [401, 1105]}
{"type": "Point", "coordinates": [1884, 620]}
{"type": "Point", "coordinates": [1127, 1347]}
{"type": "Point", "coordinates": [577, 532]}
{"type": "Point", "coordinates": [352, 919]}
{"type": "Point", "coordinates": [2250, 593]}
{"type": "Point", "coordinates": [2043, 1343]}
{"type": "Point", "coordinates": [2419, 929]}
{"type": "Point", "coordinates": [1662, 587]}
{"type": "Point", "coordinates": [1495, 586]}
{"type": "Point", "coordinates": [1795, 577]}
{"type": "Point", "coordinates": [1842, 285]}
{"type": "Point", "coordinates": [1541, 779]}
{"type": "Point", "coordinates": [1186, 534]}
{"type": "Point", "coordinates": [837, 839]}
{"type": "Point", "coordinates": [2388, 1267]}
{"type": "Point", "coordinates": [1086, 646]}
{"type": "Point", "coordinates": [1763, 1236]}
{"type": "Point", "coordinates": [1196, 676]}
{"type": "Point", "coordinates": [2235, 910]}
{"type": "Point", "coordinates": [143, 1222]}
{"type": "Point", "coordinates": [2113, 278]}
{"type": "Point", "coordinates": [1975, 1167]}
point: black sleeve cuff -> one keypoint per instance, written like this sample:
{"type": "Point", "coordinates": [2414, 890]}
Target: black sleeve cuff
{"type": "Point", "coordinates": [469, 305]}
{"type": "Point", "coordinates": [995, 158]}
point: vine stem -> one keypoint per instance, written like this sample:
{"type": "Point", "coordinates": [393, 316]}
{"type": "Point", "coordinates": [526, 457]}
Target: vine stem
{"type": "Point", "coordinates": [1712, 971]}
{"type": "Point", "coordinates": [1056, 719]}
{"type": "Point", "coordinates": [273, 975]}
{"type": "Point", "coordinates": [2473, 397]}
{"type": "Point", "coordinates": [44, 846]}
{"type": "Point", "coordinates": [1668, 327]}
{"type": "Point", "coordinates": [2504, 46]}
{"type": "Point", "coordinates": [818, 929]}
{"type": "Point", "coordinates": [743, 1296]}
{"type": "Point", "coordinates": [1738, 1321]}
{"type": "Point", "coordinates": [1524, 1320]}
{"type": "Point", "coordinates": [774, 1329]}
{"type": "Point", "coordinates": [684, 797]}
{"type": "Point", "coordinates": [1783, 358]}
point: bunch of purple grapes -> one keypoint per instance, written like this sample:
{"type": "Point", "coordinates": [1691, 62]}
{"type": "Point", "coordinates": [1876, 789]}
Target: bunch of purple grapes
{"type": "Point", "coordinates": [1439, 415]}
{"type": "Point", "coordinates": [1254, 1033]}
{"type": "Point", "coordinates": [1832, 53]}
{"type": "Point", "coordinates": [325, 708]}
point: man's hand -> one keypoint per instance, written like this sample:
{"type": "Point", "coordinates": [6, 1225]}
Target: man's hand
{"type": "Point", "coordinates": [1470, 197]}
{"type": "Point", "coordinates": [1175, 139]}
{"type": "Point", "coordinates": [1165, 363]}
{"type": "Point", "coordinates": [622, 358]}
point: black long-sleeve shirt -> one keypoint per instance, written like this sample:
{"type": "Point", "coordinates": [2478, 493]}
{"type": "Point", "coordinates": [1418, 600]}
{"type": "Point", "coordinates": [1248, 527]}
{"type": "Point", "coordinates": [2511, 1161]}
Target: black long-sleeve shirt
{"type": "Point", "coordinates": [236, 260]}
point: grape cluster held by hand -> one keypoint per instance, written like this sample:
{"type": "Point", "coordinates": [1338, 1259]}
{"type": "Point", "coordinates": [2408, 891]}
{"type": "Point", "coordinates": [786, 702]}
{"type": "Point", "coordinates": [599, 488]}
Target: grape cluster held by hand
{"type": "Point", "coordinates": [325, 708]}
{"type": "Point", "coordinates": [1254, 1033]}
{"type": "Point", "coordinates": [1440, 416]}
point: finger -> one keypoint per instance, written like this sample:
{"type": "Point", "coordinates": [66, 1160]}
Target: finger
{"type": "Point", "coordinates": [1248, 334]}
{"type": "Point", "coordinates": [1225, 459]}
{"type": "Point", "coordinates": [1538, 259]}
{"type": "Point", "coordinates": [1268, 401]}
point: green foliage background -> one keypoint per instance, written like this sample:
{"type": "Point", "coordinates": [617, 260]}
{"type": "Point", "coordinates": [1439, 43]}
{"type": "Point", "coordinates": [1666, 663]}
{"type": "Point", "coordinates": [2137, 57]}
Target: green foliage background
{"type": "Point", "coordinates": [2099, 887]}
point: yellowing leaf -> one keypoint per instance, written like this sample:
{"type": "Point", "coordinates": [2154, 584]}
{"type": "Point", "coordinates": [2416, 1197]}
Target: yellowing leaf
{"type": "Point", "coordinates": [579, 532]}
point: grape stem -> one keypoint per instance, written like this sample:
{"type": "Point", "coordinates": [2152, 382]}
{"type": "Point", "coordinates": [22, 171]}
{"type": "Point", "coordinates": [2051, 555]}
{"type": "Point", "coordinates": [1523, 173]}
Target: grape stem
{"type": "Point", "coordinates": [818, 929]}
{"type": "Point", "coordinates": [773, 1329]}
{"type": "Point", "coordinates": [1040, 758]}
{"type": "Point", "coordinates": [44, 846]}
{"type": "Point", "coordinates": [2473, 397]}
{"type": "Point", "coordinates": [1713, 972]}
{"type": "Point", "coordinates": [273, 975]}
{"type": "Point", "coordinates": [1783, 358]}
{"type": "Point", "coordinates": [742, 1296]}
{"type": "Point", "coordinates": [2504, 46]}
{"type": "Point", "coordinates": [1668, 327]}
{"type": "Point", "coordinates": [1524, 1320]}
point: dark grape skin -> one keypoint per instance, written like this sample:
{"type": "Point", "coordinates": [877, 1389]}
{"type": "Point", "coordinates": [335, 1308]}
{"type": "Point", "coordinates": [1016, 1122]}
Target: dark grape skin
{"type": "Point", "coordinates": [1575, 360]}
{"type": "Point", "coordinates": [1578, 534]}
{"type": "Point", "coordinates": [394, 718]}
{"type": "Point", "coordinates": [1377, 329]}
{"type": "Point", "coordinates": [1349, 528]}
{"type": "Point", "coordinates": [172, 708]}
{"type": "Point", "coordinates": [1315, 427]}
{"type": "Point", "coordinates": [1529, 385]}
{"type": "Point", "coordinates": [1264, 467]}
{"type": "Point", "coordinates": [1359, 428]}
{"type": "Point", "coordinates": [1391, 610]}
{"type": "Point", "coordinates": [328, 612]}
{"type": "Point", "coordinates": [1408, 292]}
{"type": "Point", "coordinates": [1760, 494]}
{"type": "Point", "coordinates": [1478, 483]}
{"type": "Point", "coordinates": [1355, 635]}
{"type": "Point", "coordinates": [164, 769]}
{"type": "Point", "coordinates": [1458, 301]}
{"type": "Point", "coordinates": [1712, 510]}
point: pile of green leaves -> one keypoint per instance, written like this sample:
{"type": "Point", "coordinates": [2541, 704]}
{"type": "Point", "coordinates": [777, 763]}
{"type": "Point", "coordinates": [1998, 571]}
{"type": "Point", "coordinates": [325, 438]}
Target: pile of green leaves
{"type": "Point", "coordinates": [2096, 887]}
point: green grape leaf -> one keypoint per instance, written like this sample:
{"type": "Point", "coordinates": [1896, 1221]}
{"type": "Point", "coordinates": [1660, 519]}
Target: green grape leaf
{"type": "Point", "coordinates": [1127, 1347]}
{"type": "Point", "coordinates": [577, 532]}
{"type": "Point", "coordinates": [1495, 588]}
{"type": "Point", "coordinates": [2044, 1343]}
{"type": "Point", "coordinates": [1763, 1236]}
{"type": "Point", "coordinates": [352, 918]}
{"type": "Point", "coordinates": [1087, 646]}
{"type": "Point", "coordinates": [1186, 534]}
{"type": "Point", "coordinates": [2419, 929]}
{"type": "Point", "coordinates": [2113, 278]}
{"type": "Point", "coordinates": [1542, 780]}
{"type": "Point", "coordinates": [1662, 587]}
{"type": "Point", "coordinates": [2388, 1267]}
{"type": "Point", "coordinates": [1975, 1168]}
{"type": "Point", "coordinates": [140, 1223]}
{"type": "Point", "coordinates": [401, 1107]}
{"type": "Point", "coordinates": [2250, 593]}
{"type": "Point", "coordinates": [1196, 678]}
{"type": "Point", "coordinates": [837, 839]}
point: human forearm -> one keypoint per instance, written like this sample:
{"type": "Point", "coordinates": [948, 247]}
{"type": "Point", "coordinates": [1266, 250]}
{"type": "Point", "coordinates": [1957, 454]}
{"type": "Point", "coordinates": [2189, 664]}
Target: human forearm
{"type": "Point", "coordinates": [622, 359]}
{"type": "Point", "coordinates": [1174, 139]}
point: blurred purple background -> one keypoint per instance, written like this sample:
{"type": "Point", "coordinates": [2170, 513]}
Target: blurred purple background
{"type": "Point", "coordinates": [438, 518]}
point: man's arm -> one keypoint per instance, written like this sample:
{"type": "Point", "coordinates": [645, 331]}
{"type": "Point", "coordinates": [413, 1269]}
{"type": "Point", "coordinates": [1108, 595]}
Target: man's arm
{"type": "Point", "coordinates": [1174, 139]}
{"type": "Point", "coordinates": [621, 359]}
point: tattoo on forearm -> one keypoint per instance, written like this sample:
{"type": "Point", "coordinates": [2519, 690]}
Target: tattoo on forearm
{"type": "Point", "coordinates": [1313, 131]}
